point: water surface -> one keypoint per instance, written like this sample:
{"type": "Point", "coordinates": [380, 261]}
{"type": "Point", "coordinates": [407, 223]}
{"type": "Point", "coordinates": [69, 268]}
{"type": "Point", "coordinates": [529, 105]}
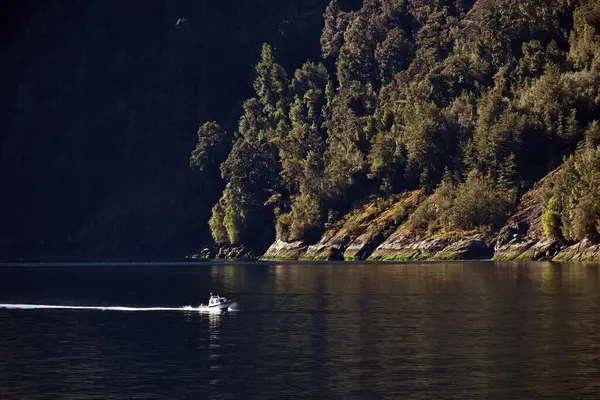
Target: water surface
{"type": "Point", "coordinates": [306, 331]}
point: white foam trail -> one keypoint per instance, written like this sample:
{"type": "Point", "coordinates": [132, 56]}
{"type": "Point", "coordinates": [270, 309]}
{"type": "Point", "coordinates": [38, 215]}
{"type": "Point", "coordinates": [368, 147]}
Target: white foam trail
{"type": "Point", "coordinates": [102, 308]}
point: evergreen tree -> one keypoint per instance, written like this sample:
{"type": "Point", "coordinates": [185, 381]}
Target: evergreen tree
{"type": "Point", "coordinates": [212, 147]}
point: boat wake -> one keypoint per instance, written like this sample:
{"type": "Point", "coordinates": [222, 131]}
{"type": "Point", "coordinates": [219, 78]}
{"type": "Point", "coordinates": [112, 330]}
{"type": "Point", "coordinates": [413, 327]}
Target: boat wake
{"type": "Point", "coordinates": [188, 308]}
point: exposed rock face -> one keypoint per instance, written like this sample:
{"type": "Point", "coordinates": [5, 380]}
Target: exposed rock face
{"type": "Point", "coordinates": [281, 250]}
{"type": "Point", "coordinates": [471, 248]}
{"type": "Point", "coordinates": [520, 248]}
{"type": "Point", "coordinates": [330, 247]}
{"type": "Point", "coordinates": [362, 247]}
{"type": "Point", "coordinates": [512, 247]}
{"type": "Point", "coordinates": [405, 248]}
{"type": "Point", "coordinates": [383, 225]}
{"type": "Point", "coordinates": [361, 231]}
{"type": "Point", "coordinates": [582, 251]}
{"type": "Point", "coordinates": [400, 247]}
{"type": "Point", "coordinates": [375, 232]}
{"type": "Point", "coordinates": [522, 237]}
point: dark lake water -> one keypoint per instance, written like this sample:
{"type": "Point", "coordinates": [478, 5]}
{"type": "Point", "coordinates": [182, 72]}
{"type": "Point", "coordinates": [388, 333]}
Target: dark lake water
{"type": "Point", "coordinates": [307, 331]}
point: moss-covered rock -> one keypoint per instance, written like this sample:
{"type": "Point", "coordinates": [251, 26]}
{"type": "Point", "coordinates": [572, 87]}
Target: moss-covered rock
{"type": "Point", "coordinates": [330, 247]}
{"type": "Point", "coordinates": [439, 247]}
{"type": "Point", "coordinates": [581, 251]}
{"type": "Point", "coordinates": [281, 250]}
{"type": "Point", "coordinates": [543, 249]}
{"type": "Point", "coordinates": [381, 226]}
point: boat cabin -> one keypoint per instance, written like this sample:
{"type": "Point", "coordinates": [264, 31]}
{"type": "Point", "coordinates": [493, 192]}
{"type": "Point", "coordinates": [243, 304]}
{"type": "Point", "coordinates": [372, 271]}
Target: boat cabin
{"type": "Point", "coordinates": [216, 300]}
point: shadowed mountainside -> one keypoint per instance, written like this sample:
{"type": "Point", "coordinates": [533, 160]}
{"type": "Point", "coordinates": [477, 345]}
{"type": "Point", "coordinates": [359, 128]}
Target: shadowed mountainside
{"type": "Point", "coordinates": [101, 100]}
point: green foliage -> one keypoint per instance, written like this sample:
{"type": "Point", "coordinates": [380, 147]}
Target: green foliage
{"type": "Point", "coordinates": [499, 134]}
{"type": "Point", "coordinates": [336, 22]}
{"type": "Point", "coordinates": [302, 149]}
{"type": "Point", "coordinates": [250, 171]}
{"type": "Point", "coordinates": [573, 211]}
{"type": "Point", "coordinates": [270, 86]}
{"type": "Point", "coordinates": [592, 134]}
{"type": "Point", "coordinates": [426, 138]}
{"type": "Point", "coordinates": [217, 228]}
{"type": "Point", "coordinates": [470, 101]}
{"type": "Point", "coordinates": [479, 203]}
{"type": "Point", "coordinates": [551, 220]}
{"type": "Point", "coordinates": [532, 61]}
{"type": "Point", "coordinates": [393, 54]}
{"type": "Point", "coordinates": [252, 166]}
{"type": "Point", "coordinates": [562, 102]}
{"type": "Point", "coordinates": [283, 227]}
{"type": "Point", "coordinates": [356, 59]}
{"type": "Point", "coordinates": [306, 218]}
{"type": "Point", "coordinates": [303, 222]}
{"type": "Point", "coordinates": [585, 36]}
{"type": "Point", "coordinates": [424, 220]}
{"type": "Point", "coordinates": [234, 217]}
{"type": "Point", "coordinates": [211, 149]}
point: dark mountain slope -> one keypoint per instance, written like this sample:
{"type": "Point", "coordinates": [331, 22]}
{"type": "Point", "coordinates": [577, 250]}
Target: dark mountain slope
{"type": "Point", "coordinates": [101, 100]}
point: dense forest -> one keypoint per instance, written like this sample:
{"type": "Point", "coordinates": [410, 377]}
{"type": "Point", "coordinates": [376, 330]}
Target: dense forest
{"type": "Point", "coordinates": [473, 101]}
{"type": "Point", "coordinates": [304, 111]}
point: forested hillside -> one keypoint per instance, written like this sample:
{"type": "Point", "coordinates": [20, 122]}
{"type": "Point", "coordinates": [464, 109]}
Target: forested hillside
{"type": "Point", "coordinates": [472, 101]}
{"type": "Point", "coordinates": [101, 101]}
{"type": "Point", "coordinates": [145, 129]}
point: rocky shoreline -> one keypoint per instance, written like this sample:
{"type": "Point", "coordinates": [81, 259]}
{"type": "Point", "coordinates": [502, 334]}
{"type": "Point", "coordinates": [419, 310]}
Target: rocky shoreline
{"type": "Point", "coordinates": [226, 252]}
{"type": "Point", "coordinates": [392, 249]}
{"type": "Point", "coordinates": [378, 231]}
{"type": "Point", "coordinates": [413, 249]}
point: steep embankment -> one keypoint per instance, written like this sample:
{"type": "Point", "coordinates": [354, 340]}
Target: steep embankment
{"type": "Point", "coordinates": [356, 235]}
{"type": "Point", "coordinates": [523, 238]}
{"type": "Point", "coordinates": [380, 230]}
{"type": "Point", "coordinates": [363, 230]}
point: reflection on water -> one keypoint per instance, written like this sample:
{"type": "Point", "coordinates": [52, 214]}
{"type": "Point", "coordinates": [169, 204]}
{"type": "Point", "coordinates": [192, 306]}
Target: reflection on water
{"type": "Point", "coordinates": [508, 328]}
{"type": "Point", "coordinates": [345, 331]}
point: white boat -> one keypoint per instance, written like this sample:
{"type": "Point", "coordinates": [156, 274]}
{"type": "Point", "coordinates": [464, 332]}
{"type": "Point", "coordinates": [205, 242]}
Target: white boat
{"type": "Point", "coordinates": [216, 303]}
